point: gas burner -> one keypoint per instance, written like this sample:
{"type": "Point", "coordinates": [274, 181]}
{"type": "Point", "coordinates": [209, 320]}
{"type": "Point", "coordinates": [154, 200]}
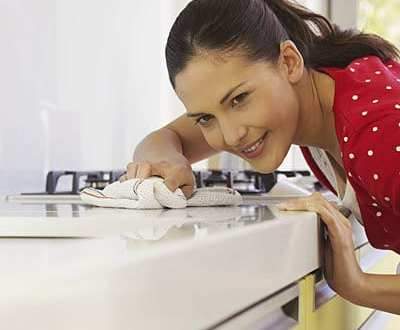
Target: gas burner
{"type": "Point", "coordinates": [245, 182]}
{"type": "Point", "coordinates": [94, 179]}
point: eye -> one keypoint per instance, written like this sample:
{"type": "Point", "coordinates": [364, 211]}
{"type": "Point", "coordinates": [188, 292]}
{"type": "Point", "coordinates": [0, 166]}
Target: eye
{"type": "Point", "coordinates": [239, 99]}
{"type": "Point", "coordinates": [203, 120]}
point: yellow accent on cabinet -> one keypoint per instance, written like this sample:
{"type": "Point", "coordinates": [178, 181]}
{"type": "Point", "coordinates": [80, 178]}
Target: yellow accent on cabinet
{"type": "Point", "coordinates": [339, 314]}
{"type": "Point", "coordinates": [335, 314]}
{"type": "Point", "coordinates": [303, 288]}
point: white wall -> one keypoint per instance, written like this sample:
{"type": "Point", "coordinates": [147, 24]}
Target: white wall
{"type": "Point", "coordinates": [80, 85]}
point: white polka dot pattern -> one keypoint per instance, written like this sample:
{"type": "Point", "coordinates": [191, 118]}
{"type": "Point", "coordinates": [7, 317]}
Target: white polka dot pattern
{"type": "Point", "coordinates": [367, 122]}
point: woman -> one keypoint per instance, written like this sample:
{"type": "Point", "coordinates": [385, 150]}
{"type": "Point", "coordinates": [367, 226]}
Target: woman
{"type": "Point", "coordinates": [257, 76]}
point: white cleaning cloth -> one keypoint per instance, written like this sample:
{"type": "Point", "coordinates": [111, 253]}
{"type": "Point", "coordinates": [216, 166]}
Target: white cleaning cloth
{"type": "Point", "coordinates": [152, 193]}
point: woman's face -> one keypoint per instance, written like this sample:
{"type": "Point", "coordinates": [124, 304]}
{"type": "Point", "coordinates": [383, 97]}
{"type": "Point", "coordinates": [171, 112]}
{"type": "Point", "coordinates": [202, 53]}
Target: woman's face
{"type": "Point", "coordinates": [246, 108]}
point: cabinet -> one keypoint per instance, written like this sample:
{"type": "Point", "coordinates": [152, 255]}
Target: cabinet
{"type": "Point", "coordinates": [310, 304]}
{"type": "Point", "coordinates": [282, 311]}
{"type": "Point", "coordinates": [326, 310]}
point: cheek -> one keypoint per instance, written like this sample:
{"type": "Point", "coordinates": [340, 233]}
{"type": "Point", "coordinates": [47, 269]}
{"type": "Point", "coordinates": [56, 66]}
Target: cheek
{"type": "Point", "coordinates": [283, 109]}
{"type": "Point", "coordinates": [214, 138]}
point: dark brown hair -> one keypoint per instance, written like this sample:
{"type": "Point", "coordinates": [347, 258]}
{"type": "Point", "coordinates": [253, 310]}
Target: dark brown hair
{"type": "Point", "coordinates": [258, 27]}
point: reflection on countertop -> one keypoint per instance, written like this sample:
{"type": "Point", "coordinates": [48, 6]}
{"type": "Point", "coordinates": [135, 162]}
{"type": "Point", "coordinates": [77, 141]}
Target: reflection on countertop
{"type": "Point", "coordinates": [26, 219]}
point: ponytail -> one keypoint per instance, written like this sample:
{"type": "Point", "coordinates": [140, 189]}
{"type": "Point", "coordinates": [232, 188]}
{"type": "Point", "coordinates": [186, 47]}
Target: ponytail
{"type": "Point", "coordinates": [323, 44]}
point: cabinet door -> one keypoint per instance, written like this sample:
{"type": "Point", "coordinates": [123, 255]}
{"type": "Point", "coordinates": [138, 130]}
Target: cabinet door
{"type": "Point", "coordinates": [280, 311]}
{"type": "Point", "coordinates": [330, 311]}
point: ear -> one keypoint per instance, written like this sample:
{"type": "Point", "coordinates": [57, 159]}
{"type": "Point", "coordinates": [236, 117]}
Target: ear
{"type": "Point", "coordinates": [291, 61]}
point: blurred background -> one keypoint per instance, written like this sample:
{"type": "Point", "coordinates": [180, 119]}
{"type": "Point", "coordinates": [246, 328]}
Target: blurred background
{"type": "Point", "coordinates": [84, 81]}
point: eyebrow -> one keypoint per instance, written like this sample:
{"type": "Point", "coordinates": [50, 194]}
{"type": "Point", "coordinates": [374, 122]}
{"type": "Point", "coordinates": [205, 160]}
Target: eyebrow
{"type": "Point", "coordinates": [227, 95]}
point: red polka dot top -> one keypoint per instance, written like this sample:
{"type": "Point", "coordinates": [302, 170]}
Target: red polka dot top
{"type": "Point", "coordinates": [367, 119]}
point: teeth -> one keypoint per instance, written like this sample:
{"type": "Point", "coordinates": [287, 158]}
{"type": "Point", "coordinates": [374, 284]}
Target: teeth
{"type": "Point", "coordinates": [254, 147]}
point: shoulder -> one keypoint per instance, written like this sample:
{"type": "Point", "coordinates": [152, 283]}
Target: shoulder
{"type": "Point", "coordinates": [366, 83]}
{"type": "Point", "coordinates": [367, 109]}
{"type": "Point", "coordinates": [367, 119]}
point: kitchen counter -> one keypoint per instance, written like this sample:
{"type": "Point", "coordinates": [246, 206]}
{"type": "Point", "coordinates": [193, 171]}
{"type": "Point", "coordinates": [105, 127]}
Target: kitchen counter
{"type": "Point", "coordinates": [71, 266]}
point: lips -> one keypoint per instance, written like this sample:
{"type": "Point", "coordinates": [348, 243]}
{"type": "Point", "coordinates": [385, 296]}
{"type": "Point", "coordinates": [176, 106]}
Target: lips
{"type": "Point", "coordinates": [255, 149]}
{"type": "Point", "coordinates": [254, 146]}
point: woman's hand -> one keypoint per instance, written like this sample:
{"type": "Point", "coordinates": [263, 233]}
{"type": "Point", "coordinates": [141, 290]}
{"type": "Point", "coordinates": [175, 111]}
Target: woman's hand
{"type": "Point", "coordinates": [341, 268]}
{"type": "Point", "coordinates": [176, 175]}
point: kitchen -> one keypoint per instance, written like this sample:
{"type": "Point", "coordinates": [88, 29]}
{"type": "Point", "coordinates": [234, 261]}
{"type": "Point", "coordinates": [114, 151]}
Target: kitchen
{"type": "Point", "coordinates": [76, 76]}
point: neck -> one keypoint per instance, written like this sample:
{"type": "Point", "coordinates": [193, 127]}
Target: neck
{"type": "Point", "coordinates": [316, 93]}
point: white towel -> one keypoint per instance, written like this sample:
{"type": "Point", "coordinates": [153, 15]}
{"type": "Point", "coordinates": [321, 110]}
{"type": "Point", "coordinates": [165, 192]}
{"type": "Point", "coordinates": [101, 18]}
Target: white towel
{"type": "Point", "coordinates": [152, 193]}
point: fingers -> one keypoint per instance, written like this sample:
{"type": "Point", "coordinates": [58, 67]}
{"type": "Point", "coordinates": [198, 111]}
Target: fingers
{"type": "Point", "coordinates": [330, 215]}
{"type": "Point", "coordinates": [187, 190]}
{"type": "Point", "coordinates": [172, 183]}
{"type": "Point", "coordinates": [181, 178]}
{"type": "Point", "coordinates": [328, 263]}
{"type": "Point", "coordinates": [131, 170]}
{"type": "Point", "coordinates": [122, 178]}
{"type": "Point", "coordinates": [175, 175]}
{"type": "Point", "coordinates": [141, 170]}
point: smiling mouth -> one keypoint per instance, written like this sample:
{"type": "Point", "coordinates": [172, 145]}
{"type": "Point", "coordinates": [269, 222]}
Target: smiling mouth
{"type": "Point", "coordinates": [255, 149]}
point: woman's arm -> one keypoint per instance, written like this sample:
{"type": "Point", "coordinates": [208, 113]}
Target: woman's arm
{"type": "Point", "coordinates": [379, 292]}
{"type": "Point", "coordinates": [178, 142]}
{"type": "Point", "coordinates": [342, 270]}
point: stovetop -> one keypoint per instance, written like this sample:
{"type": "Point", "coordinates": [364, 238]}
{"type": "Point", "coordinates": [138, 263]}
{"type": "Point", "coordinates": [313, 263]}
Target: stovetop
{"type": "Point", "coordinates": [245, 181]}
{"type": "Point", "coordinates": [66, 216]}
{"type": "Point", "coordinates": [62, 214]}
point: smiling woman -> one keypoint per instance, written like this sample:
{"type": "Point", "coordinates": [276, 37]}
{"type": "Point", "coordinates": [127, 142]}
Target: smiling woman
{"type": "Point", "coordinates": [239, 107]}
{"type": "Point", "coordinates": [257, 76]}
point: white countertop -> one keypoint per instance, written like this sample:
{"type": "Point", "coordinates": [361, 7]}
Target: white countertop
{"type": "Point", "coordinates": [169, 269]}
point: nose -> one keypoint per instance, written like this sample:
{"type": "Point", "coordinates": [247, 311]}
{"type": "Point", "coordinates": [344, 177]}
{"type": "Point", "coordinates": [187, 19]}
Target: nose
{"type": "Point", "coordinates": [232, 134]}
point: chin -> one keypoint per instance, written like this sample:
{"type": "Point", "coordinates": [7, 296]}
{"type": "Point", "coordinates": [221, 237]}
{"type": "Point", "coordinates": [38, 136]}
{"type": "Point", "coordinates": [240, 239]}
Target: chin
{"type": "Point", "coordinates": [266, 164]}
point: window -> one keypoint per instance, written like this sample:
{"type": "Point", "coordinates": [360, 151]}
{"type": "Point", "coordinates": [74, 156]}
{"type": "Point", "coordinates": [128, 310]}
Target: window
{"type": "Point", "coordinates": [380, 17]}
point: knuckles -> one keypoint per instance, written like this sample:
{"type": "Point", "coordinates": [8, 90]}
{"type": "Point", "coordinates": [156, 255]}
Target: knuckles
{"type": "Point", "coordinates": [174, 172]}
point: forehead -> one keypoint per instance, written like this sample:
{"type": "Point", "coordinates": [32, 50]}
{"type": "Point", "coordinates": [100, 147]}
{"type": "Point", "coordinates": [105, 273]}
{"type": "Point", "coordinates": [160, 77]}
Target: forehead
{"type": "Point", "coordinates": [207, 77]}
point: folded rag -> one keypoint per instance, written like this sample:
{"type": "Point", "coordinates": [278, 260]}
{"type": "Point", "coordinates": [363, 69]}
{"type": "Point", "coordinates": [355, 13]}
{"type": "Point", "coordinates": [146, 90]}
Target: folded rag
{"type": "Point", "coordinates": [152, 193]}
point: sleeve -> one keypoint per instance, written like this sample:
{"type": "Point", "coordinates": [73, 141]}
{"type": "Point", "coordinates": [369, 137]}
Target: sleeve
{"type": "Point", "coordinates": [373, 154]}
